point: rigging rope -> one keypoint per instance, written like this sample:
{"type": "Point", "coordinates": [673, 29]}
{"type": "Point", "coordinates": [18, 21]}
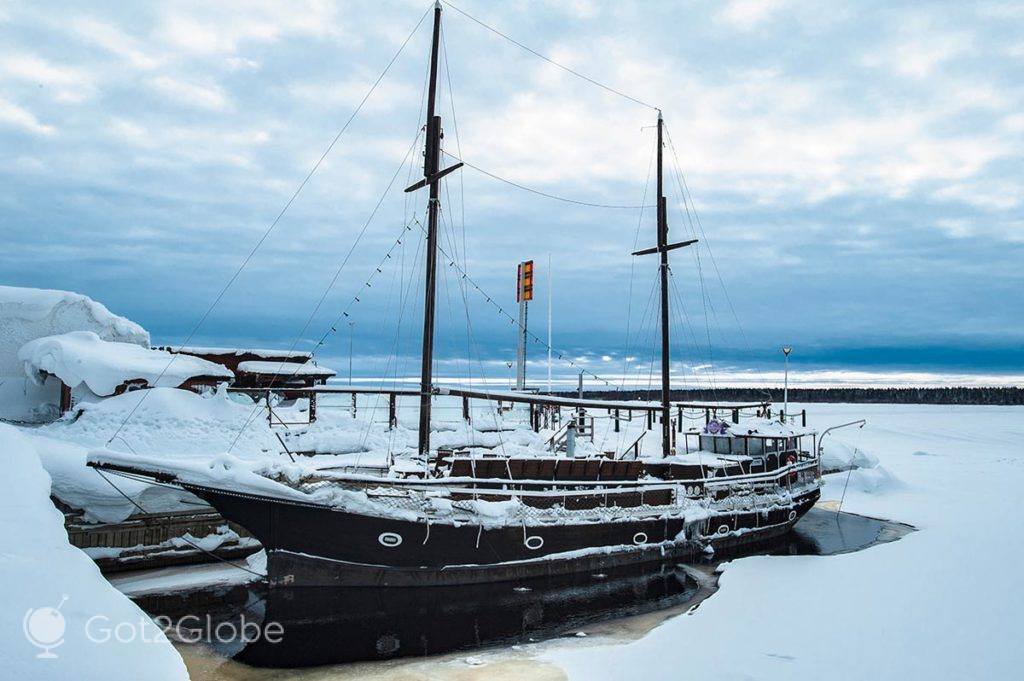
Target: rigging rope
{"type": "Point", "coordinates": [273, 225]}
{"type": "Point", "coordinates": [330, 286]}
{"type": "Point", "coordinates": [538, 192]}
{"type": "Point", "coordinates": [551, 61]}
{"type": "Point", "coordinates": [685, 191]}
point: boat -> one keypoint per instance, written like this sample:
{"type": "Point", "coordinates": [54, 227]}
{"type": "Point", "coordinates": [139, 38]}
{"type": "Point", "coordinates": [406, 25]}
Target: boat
{"type": "Point", "coordinates": [446, 516]}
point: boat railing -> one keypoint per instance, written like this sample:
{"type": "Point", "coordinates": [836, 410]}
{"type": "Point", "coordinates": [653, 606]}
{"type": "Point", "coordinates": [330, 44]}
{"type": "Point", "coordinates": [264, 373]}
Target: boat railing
{"type": "Point", "coordinates": [494, 484]}
{"type": "Point", "coordinates": [543, 409]}
{"type": "Point", "coordinates": [621, 494]}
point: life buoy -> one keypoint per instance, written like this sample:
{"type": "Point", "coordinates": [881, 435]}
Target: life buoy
{"type": "Point", "coordinates": [791, 461]}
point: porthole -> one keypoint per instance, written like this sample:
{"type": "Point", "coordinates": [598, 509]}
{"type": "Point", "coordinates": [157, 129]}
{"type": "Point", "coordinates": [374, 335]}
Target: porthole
{"type": "Point", "coordinates": [792, 515]}
{"type": "Point", "coordinates": [640, 538]}
{"type": "Point", "coordinates": [390, 539]}
{"type": "Point", "coordinates": [724, 529]}
{"type": "Point", "coordinates": [534, 542]}
{"type": "Point", "coordinates": [388, 645]}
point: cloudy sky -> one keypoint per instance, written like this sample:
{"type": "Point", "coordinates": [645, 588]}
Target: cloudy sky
{"type": "Point", "coordinates": [856, 169]}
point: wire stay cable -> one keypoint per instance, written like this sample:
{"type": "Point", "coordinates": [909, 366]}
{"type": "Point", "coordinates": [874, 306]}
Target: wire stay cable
{"type": "Point", "coordinates": [538, 192]}
{"type": "Point", "coordinates": [551, 61]}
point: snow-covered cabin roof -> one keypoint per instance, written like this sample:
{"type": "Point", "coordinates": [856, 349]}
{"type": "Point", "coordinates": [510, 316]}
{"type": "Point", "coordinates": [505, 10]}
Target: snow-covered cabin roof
{"type": "Point", "coordinates": [285, 369]}
{"type": "Point", "coordinates": [83, 357]}
{"type": "Point", "coordinates": [255, 352]}
{"type": "Point", "coordinates": [30, 313]}
{"type": "Point", "coordinates": [758, 427]}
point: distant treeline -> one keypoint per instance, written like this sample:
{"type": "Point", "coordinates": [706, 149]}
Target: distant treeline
{"type": "Point", "coordinates": [950, 395]}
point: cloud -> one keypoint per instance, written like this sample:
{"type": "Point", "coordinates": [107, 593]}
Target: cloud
{"type": "Point", "coordinates": [917, 51]}
{"type": "Point", "coordinates": [184, 93]}
{"type": "Point", "coordinates": [112, 39]}
{"type": "Point", "coordinates": [68, 84]}
{"type": "Point", "coordinates": [835, 159]}
{"type": "Point", "coordinates": [23, 119]}
{"type": "Point", "coordinates": [745, 15]}
{"type": "Point", "coordinates": [204, 30]}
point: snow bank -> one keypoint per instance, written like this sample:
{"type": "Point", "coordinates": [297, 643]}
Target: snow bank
{"type": "Point", "coordinates": [82, 488]}
{"type": "Point", "coordinates": [169, 422]}
{"type": "Point", "coordinates": [39, 570]}
{"type": "Point", "coordinates": [83, 357]}
{"type": "Point", "coordinates": [837, 455]}
{"type": "Point", "coordinates": [172, 425]}
{"type": "Point", "coordinates": [30, 313]}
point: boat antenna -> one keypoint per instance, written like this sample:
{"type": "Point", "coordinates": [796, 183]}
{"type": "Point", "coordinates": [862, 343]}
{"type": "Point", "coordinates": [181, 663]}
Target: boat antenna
{"type": "Point", "coordinates": [431, 177]}
{"type": "Point", "coordinates": [663, 248]}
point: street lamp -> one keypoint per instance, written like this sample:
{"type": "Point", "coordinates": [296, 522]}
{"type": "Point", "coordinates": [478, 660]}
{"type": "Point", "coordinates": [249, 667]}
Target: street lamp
{"type": "Point", "coordinates": [786, 349]}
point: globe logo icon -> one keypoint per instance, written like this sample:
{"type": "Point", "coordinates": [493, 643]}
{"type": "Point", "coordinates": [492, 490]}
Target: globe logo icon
{"type": "Point", "coordinates": [44, 628]}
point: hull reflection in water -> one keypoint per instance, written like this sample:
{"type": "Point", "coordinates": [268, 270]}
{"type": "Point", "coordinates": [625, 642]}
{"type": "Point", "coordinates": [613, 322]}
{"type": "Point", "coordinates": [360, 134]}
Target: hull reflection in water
{"type": "Point", "coordinates": [332, 625]}
{"type": "Point", "coordinates": [325, 626]}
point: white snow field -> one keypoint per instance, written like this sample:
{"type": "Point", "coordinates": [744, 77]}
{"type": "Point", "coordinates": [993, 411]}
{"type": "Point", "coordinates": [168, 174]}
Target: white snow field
{"type": "Point", "coordinates": [56, 603]}
{"type": "Point", "coordinates": [941, 603]}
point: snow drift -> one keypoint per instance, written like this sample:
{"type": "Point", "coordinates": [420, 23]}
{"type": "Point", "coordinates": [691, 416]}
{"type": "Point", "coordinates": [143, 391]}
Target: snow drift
{"type": "Point", "coordinates": [83, 357]}
{"type": "Point", "coordinates": [29, 313]}
{"type": "Point", "coordinates": [40, 569]}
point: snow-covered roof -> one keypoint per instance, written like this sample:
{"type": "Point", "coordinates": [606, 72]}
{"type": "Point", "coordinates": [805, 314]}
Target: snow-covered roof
{"type": "Point", "coordinates": [759, 427]}
{"type": "Point", "coordinates": [83, 357]}
{"type": "Point", "coordinates": [285, 369]}
{"type": "Point", "coordinates": [256, 352]}
{"type": "Point", "coordinates": [30, 313]}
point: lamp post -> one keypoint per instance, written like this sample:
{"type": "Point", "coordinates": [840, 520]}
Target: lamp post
{"type": "Point", "coordinates": [786, 349]}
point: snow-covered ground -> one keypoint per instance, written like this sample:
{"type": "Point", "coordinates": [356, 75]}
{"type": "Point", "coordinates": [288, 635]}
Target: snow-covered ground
{"type": "Point", "coordinates": [166, 424]}
{"type": "Point", "coordinates": [941, 603]}
{"type": "Point", "coordinates": [62, 619]}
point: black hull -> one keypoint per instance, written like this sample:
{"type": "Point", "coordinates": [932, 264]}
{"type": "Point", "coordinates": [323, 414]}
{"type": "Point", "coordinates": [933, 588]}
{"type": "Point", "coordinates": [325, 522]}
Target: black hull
{"type": "Point", "coordinates": [311, 545]}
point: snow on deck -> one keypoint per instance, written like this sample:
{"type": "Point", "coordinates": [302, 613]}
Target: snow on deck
{"type": "Point", "coordinates": [83, 357]}
{"type": "Point", "coordinates": [40, 569]}
{"type": "Point", "coordinates": [285, 369]}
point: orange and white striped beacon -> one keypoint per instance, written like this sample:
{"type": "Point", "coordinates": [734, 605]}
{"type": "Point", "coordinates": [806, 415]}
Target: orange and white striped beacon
{"type": "Point", "coordinates": [524, 294]}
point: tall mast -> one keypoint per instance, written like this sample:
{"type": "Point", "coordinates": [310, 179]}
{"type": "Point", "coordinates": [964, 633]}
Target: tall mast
{"type": "Point", "coordinates": [666, 412]}
{"type": "Point", "coordinates": [662, 249]}
{"type": "Point", "coordinates": [431, 163]}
